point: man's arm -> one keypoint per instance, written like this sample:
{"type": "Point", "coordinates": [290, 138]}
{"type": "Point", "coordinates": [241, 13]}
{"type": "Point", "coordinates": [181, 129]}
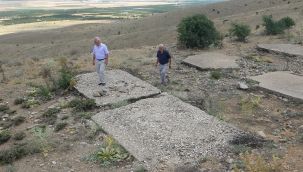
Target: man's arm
{"type": "Point", "coordinates": [106, 59]}
{"type": "Point", "coordinates": [94, 59]}
{"type": "Point", "coordinates": [157, 62]}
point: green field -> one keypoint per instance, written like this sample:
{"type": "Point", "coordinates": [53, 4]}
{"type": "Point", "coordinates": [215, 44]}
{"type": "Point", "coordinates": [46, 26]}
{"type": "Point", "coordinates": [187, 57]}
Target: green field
{"type": "Point", "coordinates": [117, 13]}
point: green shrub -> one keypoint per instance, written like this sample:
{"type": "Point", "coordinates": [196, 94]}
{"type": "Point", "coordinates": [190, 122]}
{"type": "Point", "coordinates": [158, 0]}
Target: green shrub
{"type": "Point", "coordinates": [18, 120]}
{"type": "Point", "coordinates": [44, 92]}
{"type": "Point", "coordinates": [4, 136]}
{"type": "Point", "coordinates": [287, 22]}
{"type": "Point", "coordinates": [50, 116]}
{"type": "Point", "coordinates": [215, 75]}
{"type": "Point", "coordinates": [19, 101]}
{"type": "Point", "coordinates": [277, 27]}
{"type": "Point", "coordinates": [65, 79]}
{"type": "Point", "coordinates": [19, 136]}
{"type": "Point", "coordinates": [241, 31]}
{"type": "Point", "coordinates": [16, 152]}
{"type": "Point", "coordinates": [197, 32]}
{"type": "Point", "coordinates": [82, 105]}
{"type": "Point", "coordinates": [60, 126]}
{"type": "Point", "coordinates": [4, 108]}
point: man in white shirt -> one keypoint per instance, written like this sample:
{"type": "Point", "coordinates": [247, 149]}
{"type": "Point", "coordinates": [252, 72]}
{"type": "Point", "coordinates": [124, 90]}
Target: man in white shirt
{"type": "Point", "coordinates": [100, 58]}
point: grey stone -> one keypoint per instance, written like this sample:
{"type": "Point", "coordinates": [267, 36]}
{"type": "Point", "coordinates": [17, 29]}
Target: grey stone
{"type": "Point", "coordinates": [288, 49]}
{"type": "Point", "coordinates": [262, 134]}
{"type": "Point", "coordinates": [212, 60]}
{"type": "Point", "coordinates": [282, 82]}
{"type": "Point", "coordinates": [121, 86]}
{"type": "Point", "coordinates": [243, 86]}
{"type": "Point", "coordinates": [167, 130]}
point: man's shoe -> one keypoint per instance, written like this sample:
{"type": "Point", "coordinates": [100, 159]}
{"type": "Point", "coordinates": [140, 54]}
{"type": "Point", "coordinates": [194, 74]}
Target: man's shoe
{"type": "Point", "coordinates": [102, 84]}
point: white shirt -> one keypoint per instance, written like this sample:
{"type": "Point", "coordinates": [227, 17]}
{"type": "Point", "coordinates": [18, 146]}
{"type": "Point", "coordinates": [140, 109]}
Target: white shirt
{"type": "Point", "coordinates": [100, 51]}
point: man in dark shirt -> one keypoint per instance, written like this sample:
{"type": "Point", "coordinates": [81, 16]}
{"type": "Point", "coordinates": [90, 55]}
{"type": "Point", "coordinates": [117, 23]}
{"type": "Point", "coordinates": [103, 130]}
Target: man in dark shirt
{"type": "Point", "coordinates": [164, 59]}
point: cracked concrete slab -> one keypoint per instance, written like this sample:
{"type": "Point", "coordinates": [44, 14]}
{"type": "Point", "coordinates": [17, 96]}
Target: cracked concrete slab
{"type": "Point", "coordinates": [166, 130]}
{"type": "Point", "coordinates": [121, 86]}
{"type": "Point", "coordinates": [282, 82]}
{"type": "Point", "coordinates": [212, 60]}
{"type": "Point", "coordinates": [287, 49]}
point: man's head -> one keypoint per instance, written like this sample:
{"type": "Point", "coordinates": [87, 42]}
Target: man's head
{"type": "Point", "coordinates": [161, 47]}
{"type": "Point", "coordinates": [97, 40]}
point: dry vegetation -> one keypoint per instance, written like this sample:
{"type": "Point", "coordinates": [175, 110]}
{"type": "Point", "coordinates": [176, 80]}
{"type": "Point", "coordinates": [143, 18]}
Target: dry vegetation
{"type": "Point", "coordinates": [52, 126]}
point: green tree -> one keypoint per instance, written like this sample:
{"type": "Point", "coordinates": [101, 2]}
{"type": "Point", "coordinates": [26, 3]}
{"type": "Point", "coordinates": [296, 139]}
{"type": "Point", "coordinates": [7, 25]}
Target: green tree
{"type": "Point", "coordinates": [197, 32]}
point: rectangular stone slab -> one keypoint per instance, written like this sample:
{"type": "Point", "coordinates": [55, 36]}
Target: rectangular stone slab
{"type": "Point", "coordinates": [287, 49]}
{"type": "Point", "coordinates": [282, 82]}
{"type": "Point", "coordinates": [121, 86]}
{"type": "Point", "coordinates": [212, 60]}
{"type": "Point", "coordinates": [166, 130]}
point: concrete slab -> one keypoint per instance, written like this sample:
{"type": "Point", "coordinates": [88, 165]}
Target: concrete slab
{"type": "Point", "coordinates": [287, 49]}
{"type": "Point", "coordinates": [166, 130]}
{"type": "Point", "coordinates": [212, 60]}
{"type": "Point", "coordinates": [282, 82]}
{"type": "Point", "coordinates": [121, 86]}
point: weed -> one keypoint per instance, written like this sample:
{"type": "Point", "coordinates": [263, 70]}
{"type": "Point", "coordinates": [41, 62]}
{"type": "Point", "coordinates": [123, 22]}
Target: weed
{"type": "Point", "coordinates": [18, 120]}
{"type": "Point", "coordinates": [19, 136]}
{"type": "Point", "coordinates": [30, 102]}
{"type": "Point", "coordinates": [110, 153]}
{"type": "Point", "coordinates": [60, 126]}
{"type": "Point", "coordinates": [215, 75]}
{"type": "Point", "coordinates": [4, 136]}
{"type": "Point", "coordinates": [253, 162]}
{"type": "Point", "coordinates": [50, 116]}
{"type": "Point", "coordinates": [44, 93]}
{"type": "Point", "coordinates": [41, 133]}
{"type": "Point", "coordinates": [249, 104]}
{"type": "Point", "coordinates": [82, 105]}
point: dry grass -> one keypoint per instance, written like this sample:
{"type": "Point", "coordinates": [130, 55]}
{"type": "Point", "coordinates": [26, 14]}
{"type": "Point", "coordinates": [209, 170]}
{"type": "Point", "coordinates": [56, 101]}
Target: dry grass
{"type": "Point", "coordinates": [254, 162]}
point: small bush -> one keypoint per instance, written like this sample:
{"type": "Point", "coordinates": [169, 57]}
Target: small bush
{"type": "Point", "coordinates": [82, 105]}
{"type": "Point", "coordinates": [44, 92]}
{"type": "Point", "coordinates": [50, 116]}
{"type": "Point", "coordinates": [215, 75]}
{"type": "Point", "coordinates": [19, 101]}
{"type": "Point", "coordinates": [197, 32]}
{"type": "Point", "coordinates": [287, 22]}
{"type": "Point", "coordinates": [3, 108]}
{"type": "Point", "coordinates": [17, 152]}
{"type": "Point", "coordinates": [4, 136]}
{"type": "Point", "coordinates": [18, 120]}
{"type": "Point", "coordinates": [241, 31]}
{"type": "Point", "coordinates": [60, 126]}
{"type": "Point", "coordinates": [276, 27]}
{"type": "Point", "coordinates": [19, 136]}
